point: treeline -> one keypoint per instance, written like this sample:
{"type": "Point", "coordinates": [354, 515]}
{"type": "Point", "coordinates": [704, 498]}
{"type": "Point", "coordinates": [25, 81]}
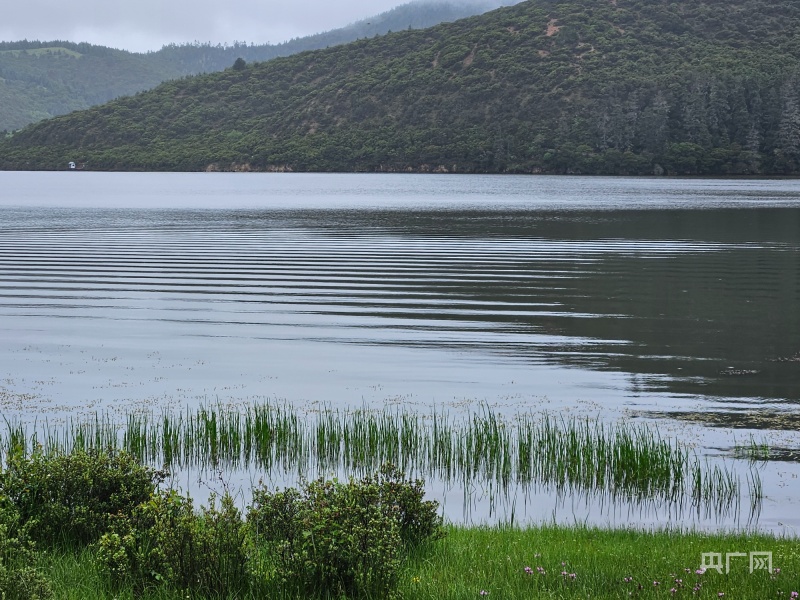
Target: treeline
{"type": "Point", "coordinates": [39, 79]}
{"type": "Point", "coordinates": [554, 86]}
{"type": "Point", "coordinates": [703, 123]}
{"type": "Point", "coordinates": [205, 58]}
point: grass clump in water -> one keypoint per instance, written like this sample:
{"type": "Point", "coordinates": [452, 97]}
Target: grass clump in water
{"type": "Point", "coordinates": [569, 455]}
{"type": "Point", "coordinates": [753, 451]}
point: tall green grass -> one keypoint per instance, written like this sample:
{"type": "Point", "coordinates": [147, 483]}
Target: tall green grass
{"type": "Point", "coordinates": [630, 462]}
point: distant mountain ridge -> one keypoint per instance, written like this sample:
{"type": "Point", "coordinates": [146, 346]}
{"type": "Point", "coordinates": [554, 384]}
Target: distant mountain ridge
{"type": "Point", "coordinates": [682, 87]}
{"type": "Point", "coordinates": [39, 80]}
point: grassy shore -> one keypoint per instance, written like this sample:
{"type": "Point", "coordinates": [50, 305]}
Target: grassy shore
{"type": "Point", "coordinates": [87, 487]}
{"type": "Point", "coordinates": [579, 562]}
{"type": "Point", "coordinates": [543, 562]}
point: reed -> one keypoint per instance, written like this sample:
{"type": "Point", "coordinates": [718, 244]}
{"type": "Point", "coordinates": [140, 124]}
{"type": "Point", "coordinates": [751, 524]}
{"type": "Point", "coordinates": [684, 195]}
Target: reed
{"type": "Point", "coordinates": [752, 450]}
{"type": "Point", "coordinates": [569, 455]}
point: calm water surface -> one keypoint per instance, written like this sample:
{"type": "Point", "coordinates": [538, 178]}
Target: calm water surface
{"type": "Point", "coordinates": [671, 300]}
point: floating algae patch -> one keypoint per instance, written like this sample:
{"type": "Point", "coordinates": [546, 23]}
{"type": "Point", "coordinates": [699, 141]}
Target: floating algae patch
{"type": "Point", "coordinates": [578, 456]}
{"type": "Point", "coordinates": [762, 418]}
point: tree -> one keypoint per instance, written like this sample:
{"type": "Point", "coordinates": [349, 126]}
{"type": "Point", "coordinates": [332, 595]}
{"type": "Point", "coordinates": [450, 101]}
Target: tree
{"type": "Point", "coordinates": [788, 150]}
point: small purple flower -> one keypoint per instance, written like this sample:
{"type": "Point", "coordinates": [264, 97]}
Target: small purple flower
{"type": "Point", "coordinates": [720, 594]}
{"type": "Point", "coordinates": [540, 570]}
{"type": "Point", "coordinates": [699, 571]}
{"type": "Point", "coordinates": [528, 570]}
{"type": "Point", "coordinates": [794, 595]}
{"type": "Point", "coordinates": [573, 576]}
{"type": "Point", "coordinates": [655, 583]}
{"type": "Point", "coordinates": [672, 590]}
{"type": "Point", "coordinates": [776, 571]}
{"type": "Point", "coordinates": [627, 579]}
{"type": "Point", "coordinates": [484, 593]}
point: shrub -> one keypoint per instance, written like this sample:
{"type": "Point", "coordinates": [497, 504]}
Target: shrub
{"type": "Point", "coordinates": [419, 520]}
{"type": "Point", "coordinates": [331, 538]}
{"type": "Point", "coordinates": [166, 542]}
{"type": "Point", "coordinates": [19, 579]}
{"type": "Point", "coordinates": [70, 498]}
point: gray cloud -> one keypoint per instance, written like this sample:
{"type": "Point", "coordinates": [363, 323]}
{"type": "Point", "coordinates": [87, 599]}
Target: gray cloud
{"type": "Point", "coordinates": [149, 24]}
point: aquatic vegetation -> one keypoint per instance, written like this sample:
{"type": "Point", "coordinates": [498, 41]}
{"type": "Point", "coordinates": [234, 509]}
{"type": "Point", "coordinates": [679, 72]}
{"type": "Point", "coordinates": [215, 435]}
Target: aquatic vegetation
{"type": "Point", "coordinates": [629, 462]}
{"type": "Point", "coordinates": [753, 451]}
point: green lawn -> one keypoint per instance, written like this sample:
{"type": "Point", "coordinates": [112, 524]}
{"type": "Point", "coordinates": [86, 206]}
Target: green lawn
{"type": "Point", "coordinates": [545, 562]}
{"type": "Point", "coordinates": [578, 562]}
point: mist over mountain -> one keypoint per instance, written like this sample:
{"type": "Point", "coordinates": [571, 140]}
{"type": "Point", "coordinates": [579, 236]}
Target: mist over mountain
{"type": "Point", "coordinates": [42, 79]}
{"type": "Point", "coordinates": [545, 86]}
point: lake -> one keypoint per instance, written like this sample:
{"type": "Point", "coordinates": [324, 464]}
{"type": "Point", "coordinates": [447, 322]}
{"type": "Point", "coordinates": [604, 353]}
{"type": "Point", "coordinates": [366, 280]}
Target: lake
{"type": "Point", "coordinates": [659, 300]}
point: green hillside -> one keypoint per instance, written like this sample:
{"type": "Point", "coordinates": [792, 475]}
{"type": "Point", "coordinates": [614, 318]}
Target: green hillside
{"type": "Point", "coordinates": [39, 80]}
{"type": "Point", "coordinates": [558, 86]}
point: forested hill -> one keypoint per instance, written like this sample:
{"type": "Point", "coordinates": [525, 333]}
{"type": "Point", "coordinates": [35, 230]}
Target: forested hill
{"type": "Point", "coordinates": [39, 80]}
{"type": "Point", "coordinates": [557, 86]}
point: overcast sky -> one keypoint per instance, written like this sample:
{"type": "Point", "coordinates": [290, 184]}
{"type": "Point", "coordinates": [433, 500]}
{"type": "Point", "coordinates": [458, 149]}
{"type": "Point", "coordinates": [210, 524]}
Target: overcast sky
{"type": "Point", "coordinates": [141, 25]}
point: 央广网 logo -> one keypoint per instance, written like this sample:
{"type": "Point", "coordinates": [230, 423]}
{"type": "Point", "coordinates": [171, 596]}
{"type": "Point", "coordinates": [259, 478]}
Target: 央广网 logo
{"type": "Point", "coordinates": [759, 561]}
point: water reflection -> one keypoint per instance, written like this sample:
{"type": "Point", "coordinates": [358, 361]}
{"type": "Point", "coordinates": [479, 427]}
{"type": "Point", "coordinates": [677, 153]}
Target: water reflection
{"type": "Point", "coordinates": [683, 301]}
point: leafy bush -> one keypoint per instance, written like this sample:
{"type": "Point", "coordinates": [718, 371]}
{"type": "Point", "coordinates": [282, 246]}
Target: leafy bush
{"type": "Point", "coordinates": [331, 538]}
{"type": "Point", "coordinates": [70, 498]}
{"type": "Point", "coordinates": [419, 520]}
{"type": "Point", "coordinates": [19, 579]}
{"type": "Point", "coordinates": [166, 542]}
{"type": "Point", "coordinates": [328, 538]}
